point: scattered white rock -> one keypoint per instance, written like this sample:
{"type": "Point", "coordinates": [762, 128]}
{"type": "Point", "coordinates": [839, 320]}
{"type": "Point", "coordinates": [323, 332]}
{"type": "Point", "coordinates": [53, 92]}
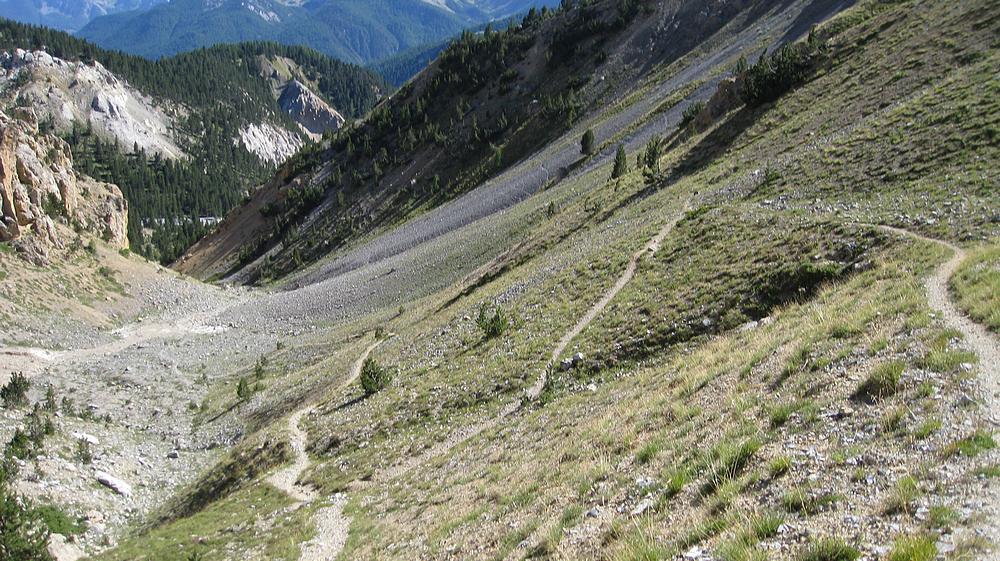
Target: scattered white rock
{"type": "Point", "coordinates": [115, 484]}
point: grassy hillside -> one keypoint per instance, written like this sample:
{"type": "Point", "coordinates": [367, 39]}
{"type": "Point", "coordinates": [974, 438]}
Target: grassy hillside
{"type": "Point", "coordinates": [771, 384]}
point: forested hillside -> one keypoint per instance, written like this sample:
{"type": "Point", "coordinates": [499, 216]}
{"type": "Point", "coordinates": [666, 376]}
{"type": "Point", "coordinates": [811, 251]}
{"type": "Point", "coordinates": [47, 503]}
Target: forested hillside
{"type": "Point", "coordinates": [216, 93]}
{"type": "Point", "coordinates": [486, 102]}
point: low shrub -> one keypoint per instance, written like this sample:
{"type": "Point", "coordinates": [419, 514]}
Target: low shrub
{"type": "Point", "coordinates": [374, 377]}
{"type": "Point", "coordinates": [492, 325]}
{"type": "Point", "coordinates": [15, 393]}
{"type": "Point", "coordinates": [882, 382]}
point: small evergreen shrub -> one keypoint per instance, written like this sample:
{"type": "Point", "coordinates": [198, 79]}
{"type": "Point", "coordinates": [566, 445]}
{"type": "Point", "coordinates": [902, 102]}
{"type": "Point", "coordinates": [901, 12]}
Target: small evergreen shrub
{"type": "Point", "coordinates": [587, 143]}
{"type": "Point", "coordinates": [23, 532]}
{"type": "Point", "coordinates": [690, 112]}
{"type": "Point", "coordinates": [374, 377]}
{"type": "Point", "coordinates": [84, 454]}
{"type": "Point", "coordinates": [243, 389]}
{"type": "Point", "coordinates": [492, 325]}
{"type": "Point", "coordinates": [621, 163]}
{"type": "Point", "coordinates": [15, 393]}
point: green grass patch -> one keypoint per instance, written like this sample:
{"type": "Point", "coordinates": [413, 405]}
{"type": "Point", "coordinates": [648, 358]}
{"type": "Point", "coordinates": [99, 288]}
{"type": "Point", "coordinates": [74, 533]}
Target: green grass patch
{"type": "Point", "coordinates": [972, 445]}
{"type": "Point", "coordinates": [902, 496]}
{"type": "Point", "coordinates": [803, 502]}
{"type": "Point", "coordinates": [647, 453]}
{"type": "Point", "coordinates": [989, 472]}
{"type": "Point", "coordinates": [829, 549]}
{"type": "Point", "coordinates": [882, 382]}
{"type": "Point", "coordinates": [946, 361]}
{"type": "Point", "coordinates": [779, 466]}
{"type": "Point", "coordinates": [977, 285]}
{"type": "Point", "coordinates": [209, 533]}
{"type": "Point", "coordinates": [913, 548]}
{"type": "Point", "coordinates": [730, 460]}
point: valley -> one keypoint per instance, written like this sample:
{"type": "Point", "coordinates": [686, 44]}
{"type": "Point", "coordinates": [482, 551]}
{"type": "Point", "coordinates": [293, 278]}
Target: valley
{"type": "Point", "coordinates": [752, 318]}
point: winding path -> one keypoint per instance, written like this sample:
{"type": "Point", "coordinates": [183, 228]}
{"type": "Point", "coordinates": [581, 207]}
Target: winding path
{"type": "Point", "coordinates": [651, 248]}
{"type": "Point", "coordinates": [331, 524]}
{"type": "Point", "coordinates": [536, 389]}
{"type": "Point", "coordinates": [982, 342]}
{"type": "Point", "coordinates": [987, 348]}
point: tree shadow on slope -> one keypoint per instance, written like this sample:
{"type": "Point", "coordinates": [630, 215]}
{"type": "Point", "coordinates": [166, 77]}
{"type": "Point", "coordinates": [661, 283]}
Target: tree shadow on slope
{"type": "Point", "coordinates": [715, 144]}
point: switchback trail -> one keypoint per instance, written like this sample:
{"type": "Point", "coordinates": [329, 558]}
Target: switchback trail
{"type": "Point", "coordinates": [536, 389]}
{"type": "Point", "coordinates": [626, 277]}
{"type": "Point", "coordinates": [987, 348]}
{"type": "Point", "coordinates": [331, 524]}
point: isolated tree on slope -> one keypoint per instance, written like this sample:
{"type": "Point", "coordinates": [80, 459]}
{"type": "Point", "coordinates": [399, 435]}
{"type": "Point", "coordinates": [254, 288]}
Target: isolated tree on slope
{"type": "Point", "coordinates": [587, 143]}
{"type": "Point", "coordinates": [621, 163]}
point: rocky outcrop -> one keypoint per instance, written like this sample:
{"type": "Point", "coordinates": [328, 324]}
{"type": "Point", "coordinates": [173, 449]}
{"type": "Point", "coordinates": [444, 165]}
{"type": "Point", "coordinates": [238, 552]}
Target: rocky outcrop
{"type": "Point", "coordinates": [309, 110]}
{"type": "Point", "coordinates": [725, 99]}
{"type": "Point", "coordinates": [269, 142]}
{"type": "Point", "coordinates": [297, 97]}
{"type": "Point", "coordinates": [41, 195]}
{"type": "Point", "coordinates": [64, 93]}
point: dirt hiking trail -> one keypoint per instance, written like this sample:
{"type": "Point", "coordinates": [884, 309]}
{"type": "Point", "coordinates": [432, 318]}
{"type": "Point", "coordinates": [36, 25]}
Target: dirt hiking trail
{"type": "Point", "coordinates": [987, 348]}
{"type": "Point", "coordinates": [331, 524]}
{"type": "Point", "coordinates": [650, 248]}
{"type": "Point", "coordinates": [465, 433]}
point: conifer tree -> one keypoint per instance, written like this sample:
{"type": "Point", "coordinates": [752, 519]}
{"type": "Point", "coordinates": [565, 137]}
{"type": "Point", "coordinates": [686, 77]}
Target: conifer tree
{"type": "Point", "coordinates": [587, 143]}
{"type": "Point", "coordinates": [621, 163]}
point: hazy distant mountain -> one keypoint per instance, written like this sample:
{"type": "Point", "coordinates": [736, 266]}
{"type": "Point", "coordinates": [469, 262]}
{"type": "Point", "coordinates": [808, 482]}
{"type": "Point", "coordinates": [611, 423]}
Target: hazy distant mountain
{"type": "Point", "coordinates": [352, 30]}
{"type": "Point", "coordinates": [68, 15]}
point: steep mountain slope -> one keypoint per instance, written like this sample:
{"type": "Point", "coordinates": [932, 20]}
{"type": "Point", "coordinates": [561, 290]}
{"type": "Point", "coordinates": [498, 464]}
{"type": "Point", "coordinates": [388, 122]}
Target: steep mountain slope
{"type": "Point", "coordinates": [485, 104]}
{"type": "Point", "coordinates": [351, 30]}
{"type": "Point", "coordinates": [184, 137]}
{"type": "Point", "coordinates": [63, 93]}
{"type": "Point", "coordinates": [739, 341]}
{"type": "Point", "coordinates": [67, 15]}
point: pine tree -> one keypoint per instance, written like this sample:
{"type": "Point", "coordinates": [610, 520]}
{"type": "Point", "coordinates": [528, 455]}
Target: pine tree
{"type": "Point", "coordinates": [243, 389]}
{"type": "Point", "coordinates": [652, 158]}
{"type": "Point", "coordinates": [23, 535]}
{"type": "Point", "coordinates": [621, 163]}
{"type": "Point", "coordinates": [587, 143]}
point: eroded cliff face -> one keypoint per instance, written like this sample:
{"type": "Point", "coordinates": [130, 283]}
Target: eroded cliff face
{"type": "Point", "coordinates": [44, 202]}
{"type": "Point", "coordinates": [65, 93]}
{"type": "Point", "coordinates": [314, 115]}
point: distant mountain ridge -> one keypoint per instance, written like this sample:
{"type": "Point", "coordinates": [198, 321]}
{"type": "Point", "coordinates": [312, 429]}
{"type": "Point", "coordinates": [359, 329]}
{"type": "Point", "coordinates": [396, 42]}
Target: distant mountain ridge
{"type": "Point", "coordinates": [68, 15]}
{"type": "Point", "coordinates": [359, 31]}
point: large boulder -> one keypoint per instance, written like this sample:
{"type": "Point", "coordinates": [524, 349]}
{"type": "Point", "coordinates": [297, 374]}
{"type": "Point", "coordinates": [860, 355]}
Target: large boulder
{"type": "Point", "coordinates": [725, 99]}
{"type": "Point", "coordinates": [117, 485]}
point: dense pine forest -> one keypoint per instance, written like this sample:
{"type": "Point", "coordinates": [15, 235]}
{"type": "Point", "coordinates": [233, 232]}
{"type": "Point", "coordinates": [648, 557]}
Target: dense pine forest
{"type": "Point", "coordinates": [222, 90]}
